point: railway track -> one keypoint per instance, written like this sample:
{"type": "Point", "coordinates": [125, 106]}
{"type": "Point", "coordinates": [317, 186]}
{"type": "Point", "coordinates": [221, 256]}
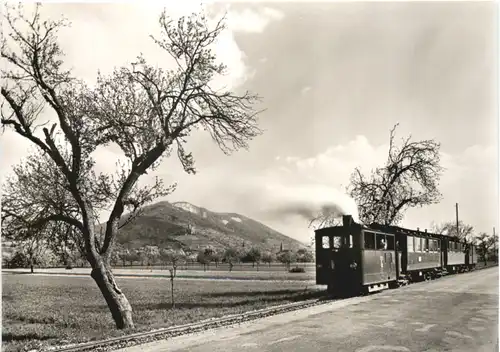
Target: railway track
{"type": "Point", "coordinates": [166, 333]}
{"type": "Point", "coordinates": [162, 334]}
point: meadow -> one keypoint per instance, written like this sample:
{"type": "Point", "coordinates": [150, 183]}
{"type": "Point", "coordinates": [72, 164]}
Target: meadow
{"type": "Point", "coordinates": [242, 273]}
{"type": "Point", "coordinates": [43, 310]}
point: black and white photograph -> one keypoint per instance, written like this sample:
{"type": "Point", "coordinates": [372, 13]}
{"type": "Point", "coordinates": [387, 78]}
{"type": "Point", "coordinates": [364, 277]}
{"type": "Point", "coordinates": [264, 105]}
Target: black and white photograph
{"type": "Point", "coordinates": [249, 176]}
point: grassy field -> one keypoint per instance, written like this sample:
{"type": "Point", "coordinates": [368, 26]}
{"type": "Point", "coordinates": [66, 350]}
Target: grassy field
{"type": "Point", "coordinates": [200, 274]}
{"type": "Point", "coordinates": [51, 310]}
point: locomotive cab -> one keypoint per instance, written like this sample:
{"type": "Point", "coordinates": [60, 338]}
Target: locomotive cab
{"type": "Point", "coordinates": [337, 257]}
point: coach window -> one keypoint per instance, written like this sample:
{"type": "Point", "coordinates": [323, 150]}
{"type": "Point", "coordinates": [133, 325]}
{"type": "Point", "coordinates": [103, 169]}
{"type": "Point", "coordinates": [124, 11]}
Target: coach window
{"type": "Point", "coordinates": [438, 245]}
{"type": "Point", "coordinates": [390, 242]}
{"type": "Point", "coordinates": [410, 246]}
{"type": "Point", "coordinates": [425, 245]}
{"type": "Point", "coordinates": [351, 244]}
{"type": "Point", "coordinates": [369, 240]}
{"type": "Point", "coordinates": [326, 242]}
{"type": "Point", "coordinates": [418, 244]}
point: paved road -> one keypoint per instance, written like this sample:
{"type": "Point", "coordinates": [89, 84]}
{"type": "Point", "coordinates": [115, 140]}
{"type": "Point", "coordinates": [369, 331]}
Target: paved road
{"type": "Point", "coordinates": [457, 313]}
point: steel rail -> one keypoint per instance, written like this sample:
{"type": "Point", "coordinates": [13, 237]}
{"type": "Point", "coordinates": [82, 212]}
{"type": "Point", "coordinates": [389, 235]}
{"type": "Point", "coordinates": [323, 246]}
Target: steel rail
{"type": "Point", "coordinates": [165, 333]}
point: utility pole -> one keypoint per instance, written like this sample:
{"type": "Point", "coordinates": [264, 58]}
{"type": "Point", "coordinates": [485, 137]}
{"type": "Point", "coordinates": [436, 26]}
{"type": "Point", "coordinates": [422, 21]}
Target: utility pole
{"type": "Point", "coordinates": [456, 213]}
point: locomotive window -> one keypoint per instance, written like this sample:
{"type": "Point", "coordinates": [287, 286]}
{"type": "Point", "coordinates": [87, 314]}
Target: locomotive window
{"type": "Point", "coordinates": [381, 241]}
{"type": "Point", "coordinates": [425, 244]}
{"type": "Point", "coordinates": [326, 242]}
{"type": "Point", "coordinates": [369, 238]}
{"type": "Point", "coordinates": [351, 244]}
{"type": "Point", "coordinates": [337, 242]}
{"type": "Point", "coordinates": [390, 242]}
{"type": "Point", "coordinates": [410, 244]}
{"type": "Point", "coordinates": [438, 245]}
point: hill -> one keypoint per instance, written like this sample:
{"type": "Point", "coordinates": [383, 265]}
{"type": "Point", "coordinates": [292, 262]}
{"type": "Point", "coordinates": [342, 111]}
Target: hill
{"type": "Point", "coordinates": [183, 225]}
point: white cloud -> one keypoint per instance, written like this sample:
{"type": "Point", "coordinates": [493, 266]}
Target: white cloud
{"type": "Point", "coordinates": [105, 36]}
{"type": "Point", "coordinates": [314, 180]}
{"type": "Point", "coordinates": [253, 21]}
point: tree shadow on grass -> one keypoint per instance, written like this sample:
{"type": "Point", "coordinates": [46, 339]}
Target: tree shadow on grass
{"type": "Point", "coordinates": [301, 293]}
{"type": "Point", "coordinates": [11, 337]}
{"type": "Point", "coordinates": [265, 298]}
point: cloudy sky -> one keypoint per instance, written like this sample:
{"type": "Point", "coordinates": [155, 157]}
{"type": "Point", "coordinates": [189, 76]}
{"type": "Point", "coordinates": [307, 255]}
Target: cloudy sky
{"type": "Point", "coordinates": [334, 78]}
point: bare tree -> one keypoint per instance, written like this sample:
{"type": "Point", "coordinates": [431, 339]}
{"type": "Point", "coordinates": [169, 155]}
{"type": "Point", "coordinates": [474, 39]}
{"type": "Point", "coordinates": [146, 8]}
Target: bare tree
{"type": "Point", "coordinates": [286, 258]}
{"type": "Point", "coordinates": [33, 246]}
{"type": "Point", "coordinates": [485, 243]}
{"type": "Point", "coordinates": [230, 256]}
{"type": "Point", "coordinates": [254, 256]}
{"type": "Point", "coordinates": [144, 110]}
{"type": "Point", "coordinates": [268, 257]}
{"type": "Point", "coordinates": [409, 179]}
{"type": "Point", "coordinates": [325, 219]}
{"type": "Point", "coordinates": [172, 258]}
{"type": "Point", "coordinates": [464, 232]}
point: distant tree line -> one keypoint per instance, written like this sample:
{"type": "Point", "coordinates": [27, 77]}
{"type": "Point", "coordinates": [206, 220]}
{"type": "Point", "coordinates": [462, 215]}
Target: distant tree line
{"type": "Point", "coordinates": [24, 256]}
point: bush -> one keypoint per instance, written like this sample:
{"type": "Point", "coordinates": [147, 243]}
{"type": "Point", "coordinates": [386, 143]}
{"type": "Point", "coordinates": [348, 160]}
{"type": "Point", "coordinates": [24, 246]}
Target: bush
{"type": "Point", "coordinates": [18, 260]}
{"type": "Point", "coordinates": [297, 270]}
{"type": "Point", "coordinates": [69, 267]}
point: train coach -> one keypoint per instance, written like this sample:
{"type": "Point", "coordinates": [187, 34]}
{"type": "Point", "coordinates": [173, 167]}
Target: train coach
{"type": "Point", "coordinates": [354, 259]}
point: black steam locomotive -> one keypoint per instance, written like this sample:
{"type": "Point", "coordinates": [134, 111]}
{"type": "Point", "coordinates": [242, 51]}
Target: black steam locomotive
{"type": "Point", "coordinates": [356, 259]}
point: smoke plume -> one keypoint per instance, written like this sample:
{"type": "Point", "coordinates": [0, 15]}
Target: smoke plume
{"type": "Point", "coordinates": [309, 201]}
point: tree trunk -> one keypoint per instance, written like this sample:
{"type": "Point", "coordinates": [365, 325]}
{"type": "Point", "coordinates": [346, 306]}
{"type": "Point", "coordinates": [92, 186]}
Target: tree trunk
{"type": "Point", "coordinates": [31, 268]}
{"type": "Point", "coordinates": [118, 304]}
{"type": "Point", "coordinates": [172, 292]}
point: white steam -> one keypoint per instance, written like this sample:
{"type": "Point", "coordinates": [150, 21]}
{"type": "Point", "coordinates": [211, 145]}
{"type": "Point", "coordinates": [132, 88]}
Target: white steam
{"type": "Point", "coordinates": [309, 201]}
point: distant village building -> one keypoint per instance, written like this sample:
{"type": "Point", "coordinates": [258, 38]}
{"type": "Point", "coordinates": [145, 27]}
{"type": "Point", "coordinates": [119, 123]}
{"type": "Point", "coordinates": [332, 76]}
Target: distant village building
{"type": "Point", "coordinates": [282, 250]}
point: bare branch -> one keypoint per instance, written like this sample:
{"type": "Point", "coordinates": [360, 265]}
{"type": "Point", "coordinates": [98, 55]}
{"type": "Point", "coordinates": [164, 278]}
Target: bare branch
{"type": "Point", "coordinates": [409, 178]}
